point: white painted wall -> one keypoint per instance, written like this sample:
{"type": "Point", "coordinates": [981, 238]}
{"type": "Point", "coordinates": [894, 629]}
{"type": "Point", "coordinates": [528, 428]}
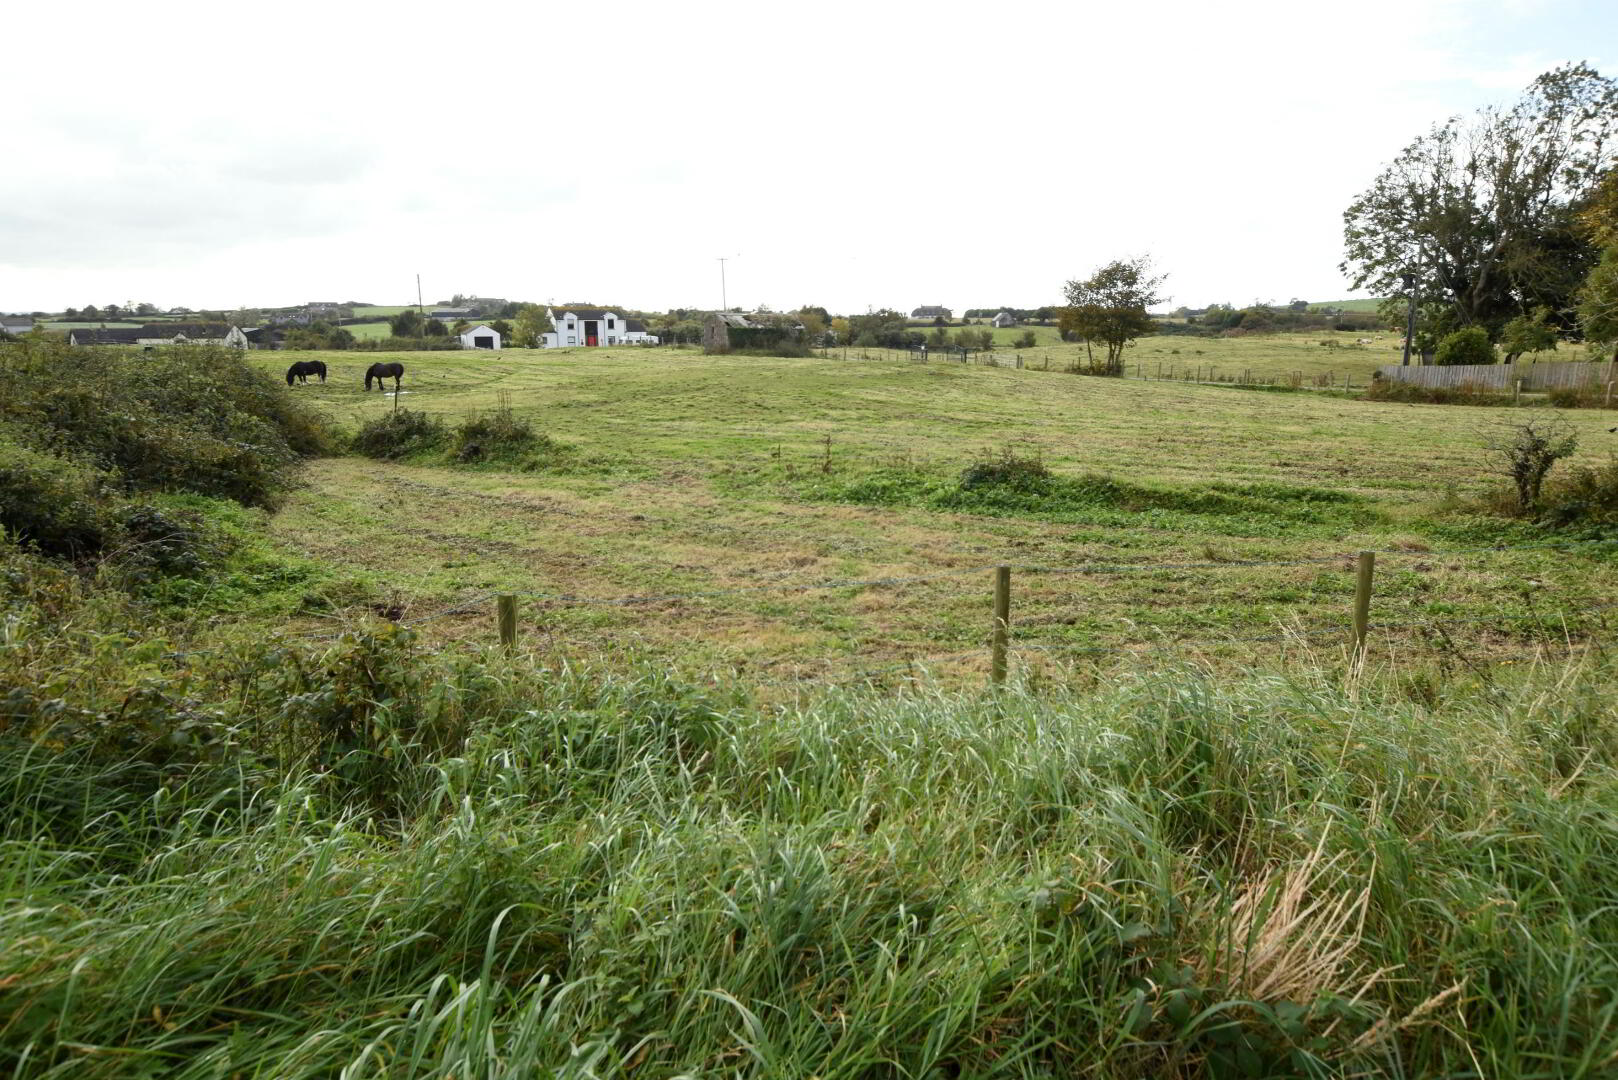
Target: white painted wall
{"type": "Point", "coordinates": [480, 330]}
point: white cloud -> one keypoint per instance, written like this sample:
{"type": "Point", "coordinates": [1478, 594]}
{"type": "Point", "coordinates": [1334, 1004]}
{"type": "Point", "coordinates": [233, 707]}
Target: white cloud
{"type": "Point", "coordinates": [853, 153]}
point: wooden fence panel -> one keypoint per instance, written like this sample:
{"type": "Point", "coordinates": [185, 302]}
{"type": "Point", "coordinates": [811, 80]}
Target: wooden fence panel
{"type": "Point", "coordinates": [1544, 376]}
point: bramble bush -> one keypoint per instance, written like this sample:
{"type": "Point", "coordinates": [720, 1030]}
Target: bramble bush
{"type": "Point", "coordinates": [190, 418]}
{"type": "Point", "coordinates": [398, 434]}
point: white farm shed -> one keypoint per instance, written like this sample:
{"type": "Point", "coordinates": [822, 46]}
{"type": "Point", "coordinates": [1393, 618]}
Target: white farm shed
{"type": "Point", "coordinates": [480, 337]}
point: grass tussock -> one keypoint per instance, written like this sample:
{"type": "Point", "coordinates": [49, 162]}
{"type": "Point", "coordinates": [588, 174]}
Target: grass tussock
{"type": "Point", "coordinates": [498, 438]}
{"type": "Point", "coordinates": [361, 858]}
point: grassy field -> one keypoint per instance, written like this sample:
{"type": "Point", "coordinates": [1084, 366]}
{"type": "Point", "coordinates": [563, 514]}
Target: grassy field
{"type": "Point", "coordinates": [680, 474]}
{"type": "Point", "coordinates": [1370, 304]}
{"type": "Point", "coordinates": [382, 312]}
{"type": "Point", "coordinates": [1313, 355]}
{"type": "Point", "coordinates": [374, 331]}
{"type": "Point", "coordinates": [639, 845]}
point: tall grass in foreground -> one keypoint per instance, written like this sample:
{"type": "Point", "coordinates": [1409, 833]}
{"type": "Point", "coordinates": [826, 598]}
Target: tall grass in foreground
{"type": "Point", "coordinates": [394, 866]}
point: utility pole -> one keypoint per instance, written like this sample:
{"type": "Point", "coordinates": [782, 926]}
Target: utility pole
{"type": "Point", "coordinates": [1410, 318]}
{"type": "Point", "coordinates": [724, 299]}
{"type": "Point", "coordinates": [421, 321]}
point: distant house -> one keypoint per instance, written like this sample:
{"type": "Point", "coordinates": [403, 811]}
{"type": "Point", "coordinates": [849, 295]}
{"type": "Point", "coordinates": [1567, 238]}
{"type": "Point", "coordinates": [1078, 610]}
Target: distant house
{"type": "Point", "coordinates": [156, 334]}
{"type": "Point", "coordinates": [930, 313]}
{"type": "Point", "coordinates": [480, 337]}
{"type": "Point", "coordinates": [635, 333]}
{"type": "Point", "coordinates": [106, 335]}
{"type": "Point", "coordinates": [323, 310]}
{"type": "Point", "coordinates": [160, 335]}
{"type": "Point", "coordinates": [586, 326]}
{"type": "Point", "coordinates": [16, 325]}
{"type": "Point", "coordinates": [450, 315]}
{"type": "Point", "coordinates": [1003, 320]}
{"type": "Point", "coordinates": [264, 337]}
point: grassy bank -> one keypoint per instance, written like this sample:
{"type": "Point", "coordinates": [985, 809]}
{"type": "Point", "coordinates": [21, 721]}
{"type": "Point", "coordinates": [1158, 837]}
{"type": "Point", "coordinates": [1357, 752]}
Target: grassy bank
{"type": "Point", "coordinates": [366, 862]}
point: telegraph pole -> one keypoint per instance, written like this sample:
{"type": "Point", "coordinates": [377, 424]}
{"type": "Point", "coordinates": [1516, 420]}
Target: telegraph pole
{"type": "Point", "coordinates": [724, 299]}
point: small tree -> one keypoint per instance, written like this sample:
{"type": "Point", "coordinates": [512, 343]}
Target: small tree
{"type": "Point", "coordinates": [405, 324]}
{"type": "Point", "coordinates": [1025, 340]}
{"type": "Point", "coordinates": [1526, 450]}
{"type": "Point", "coordinates": [1528, 334]}
{"type": "Point", "coordinates": [531, 327]}
{"type": "Point", "coordinates": [1110, 307]}
{"type": "Point", "coordinates": [434, 328]}
{"type": "Point", "coordinates": [1468, 346]}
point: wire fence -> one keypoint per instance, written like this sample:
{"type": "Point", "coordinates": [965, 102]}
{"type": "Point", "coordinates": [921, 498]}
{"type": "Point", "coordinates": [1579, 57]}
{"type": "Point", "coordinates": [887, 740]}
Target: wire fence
{"type": "Point", "coordinates": [1120, 642]}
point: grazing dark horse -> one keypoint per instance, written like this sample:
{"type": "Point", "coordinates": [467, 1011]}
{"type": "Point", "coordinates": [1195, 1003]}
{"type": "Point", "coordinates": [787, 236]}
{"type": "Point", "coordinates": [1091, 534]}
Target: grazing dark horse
{"type": "Point", "coordinates": [305, 368]}
{"type": "Point", "coordinates": [384, 371]}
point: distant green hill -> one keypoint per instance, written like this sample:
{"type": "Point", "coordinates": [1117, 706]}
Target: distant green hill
{"type": "Point", "coordinates": [1348, 305]}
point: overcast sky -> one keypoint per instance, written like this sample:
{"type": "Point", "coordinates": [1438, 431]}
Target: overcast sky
{"type": "Point", "coordinates": [844, 154]}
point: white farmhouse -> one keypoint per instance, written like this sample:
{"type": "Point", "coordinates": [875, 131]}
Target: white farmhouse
{"type": "Point", "coordinates": [1003, 320]}
{"type": "Point", "coordinates": [480, 336]}
{"type": "Point", "coordinates": [586, 326]}
{"type": "Point", "coordinates": [16, 325]}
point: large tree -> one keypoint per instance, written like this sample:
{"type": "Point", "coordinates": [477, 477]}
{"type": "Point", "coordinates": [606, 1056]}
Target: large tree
{"type": "Point", "coordinates": [1598, 298]}
{"type": "Point", "coordinates": [1482, 210]}
{"type": "Point", "coordinates": [1109, 307]}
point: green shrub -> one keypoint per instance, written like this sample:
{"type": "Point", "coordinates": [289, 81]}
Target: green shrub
{"type": "Point", "coordinates": [190, 419]}
{"type": "Point", "coordinates": [499, 436]}
{"type": "Point", "coordinates": [1465, 394]}
{"type": "Point", "coordinates": [51, 503]}
{"type": "Point", "coordinates": [399, 434]}
{"type": "Point", "coordinates": [1007, 471]}
{"type": "Point", "coordinates": [166, 541]}
{"type": "Point", "coordinates": [1583, 497]}
{"type": "Point", "coordinates": [1468, 346]}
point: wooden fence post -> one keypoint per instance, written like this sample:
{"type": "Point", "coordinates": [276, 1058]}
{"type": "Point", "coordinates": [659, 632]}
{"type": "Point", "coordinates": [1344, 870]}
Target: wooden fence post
{"type": "Point", "coordinates": [505, 612]}
{"type": "Point", "coordinates": [1609, 395]}
{"type": "Point", "coordinates": [1516, 392]}
{"type": "Point", "coordinates": [1362, 600]}
{"type": "Point", "coordinates": [1002, 625]}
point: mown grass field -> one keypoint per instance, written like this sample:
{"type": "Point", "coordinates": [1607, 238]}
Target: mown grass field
{"type": "Point", "coordinates": [372, 331]}
{"type": "Point", "coordinates": [381, 311]}
{"type": "Point", "coordinates": [680, 473]}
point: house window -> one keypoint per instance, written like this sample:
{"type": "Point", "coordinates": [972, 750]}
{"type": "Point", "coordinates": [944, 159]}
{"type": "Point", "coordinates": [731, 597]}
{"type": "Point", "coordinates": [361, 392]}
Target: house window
{"type": "Point", "coordinates": [571, 340]}
{"type": "Point", "coordinates": [609, 324]}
